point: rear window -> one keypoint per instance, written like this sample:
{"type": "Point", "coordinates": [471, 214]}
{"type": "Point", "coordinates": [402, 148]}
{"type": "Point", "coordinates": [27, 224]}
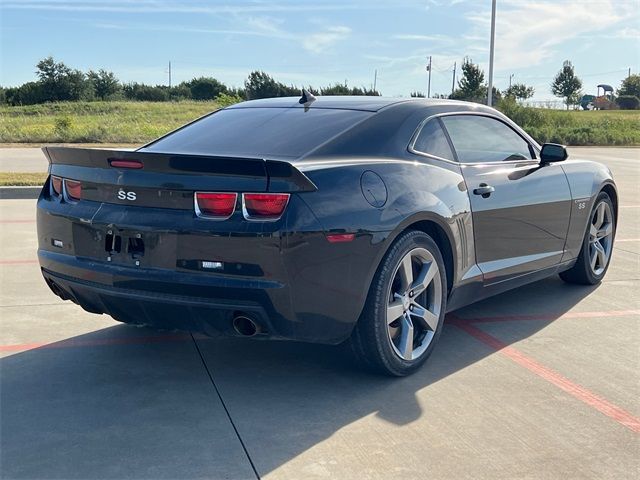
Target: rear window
{"type": "Point", "coordinates": [259, 132]}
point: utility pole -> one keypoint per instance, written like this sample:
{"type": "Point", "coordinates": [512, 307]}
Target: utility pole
{"type": "Point", "coordinates": [169, 73]}
{"type": "Point", "coordinates": [375, 79]}
{"type": "Point", "coordinates": [629, 74]}
{"type": "Point", "coordinates": [492, 47]}
{"type": "Point", "coordinates": [453, 83]}
{"type": "Point", "coordinates": [429, 84]}
{"type": "Point", "coordinates": [510, 77]}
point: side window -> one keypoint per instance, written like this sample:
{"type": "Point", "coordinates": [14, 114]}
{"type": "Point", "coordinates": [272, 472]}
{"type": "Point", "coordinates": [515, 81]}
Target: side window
{"type": "Point", "coordinates": [433, 141]}
{"type": "Point", "coordinates": [484, 139]}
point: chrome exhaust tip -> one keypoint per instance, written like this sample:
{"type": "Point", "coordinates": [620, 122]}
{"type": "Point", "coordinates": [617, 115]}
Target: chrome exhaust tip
{"type": "Point", "coordinates": [245, 326]}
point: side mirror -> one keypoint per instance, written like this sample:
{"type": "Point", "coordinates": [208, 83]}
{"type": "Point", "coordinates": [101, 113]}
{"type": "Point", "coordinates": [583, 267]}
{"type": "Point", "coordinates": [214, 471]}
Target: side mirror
{"type": "Point", "coordinates": [552, 152]}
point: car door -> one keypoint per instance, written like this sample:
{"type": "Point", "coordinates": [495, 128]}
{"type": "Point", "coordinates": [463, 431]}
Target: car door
{"type": "Point", "coordinates": [520, 208]}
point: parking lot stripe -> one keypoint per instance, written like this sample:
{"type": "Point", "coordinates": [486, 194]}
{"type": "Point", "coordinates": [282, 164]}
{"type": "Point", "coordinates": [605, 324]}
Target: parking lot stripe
{"type": "Point", "coordinates": [17, 221]}
{"type": "Point", "coordinates": [626, 240]}
{"type": "Point", "coordinates": [546, 317]}
{"type": "Point", "coordinates": [589, 398]}
{"type": "Point", "coordinates": [23, 261]}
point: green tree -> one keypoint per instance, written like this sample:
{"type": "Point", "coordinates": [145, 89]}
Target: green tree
{"type": "Point", "coordinates": [205, 88]}
{"type": "Point", "coordinates": [146, 93]}
{"type": "Point", "coordinates": [519, 91]}
{"type": "Point", "coordinates": [417, 94]}
{"type": "Point", "coordinates": [61, 83]}
{"type": "Point", "coordinates": [630, 86]}
{"type": "Point", "coordinates": [628, 102]}
{"type": "Point", "coordinates": [105, 84]}
{"type": "Point", "coordinates": [471, 86]}
{"type": "Point", "coordinates": [567, 85]}
{"type": "Point", "coordinates": [28, 93]}
{"type": "Point", "coordinates": [262, 85]}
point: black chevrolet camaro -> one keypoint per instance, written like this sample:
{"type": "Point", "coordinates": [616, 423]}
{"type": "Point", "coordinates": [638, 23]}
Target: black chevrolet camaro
{"type": "Point", "coordinates": [359, 219]}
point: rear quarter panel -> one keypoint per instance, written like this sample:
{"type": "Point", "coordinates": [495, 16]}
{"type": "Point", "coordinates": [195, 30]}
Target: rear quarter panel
{"type": "Point", "coordinates": [415, 191]}
{"type": "Point", "coordinates": [586, 180]}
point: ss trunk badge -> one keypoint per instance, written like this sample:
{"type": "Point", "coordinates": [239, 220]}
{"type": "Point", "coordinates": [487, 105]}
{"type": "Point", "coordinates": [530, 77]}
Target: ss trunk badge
{"type": "Point", "coordinates": [122, 195]}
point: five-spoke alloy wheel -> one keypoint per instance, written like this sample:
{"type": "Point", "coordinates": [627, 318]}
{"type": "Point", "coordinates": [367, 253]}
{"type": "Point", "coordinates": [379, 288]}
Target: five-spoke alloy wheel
{"type": "Point", "coordinates": [414, 305]}
{"type": "Point", "coordinates": [403, 316]}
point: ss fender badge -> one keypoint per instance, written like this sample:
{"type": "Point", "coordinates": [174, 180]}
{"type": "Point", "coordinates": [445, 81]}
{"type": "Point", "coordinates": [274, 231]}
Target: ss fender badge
{"type": "Point", "coordinates": [122, 195]}
{"type": "Point", "coordinates": [581, 203]}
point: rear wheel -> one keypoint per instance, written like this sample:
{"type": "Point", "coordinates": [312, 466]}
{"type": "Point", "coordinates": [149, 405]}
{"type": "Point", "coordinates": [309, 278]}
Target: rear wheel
{"type": "Point", "coordinates": [597, 245]}
{"type": "Point", "coordinates": [405, 308]}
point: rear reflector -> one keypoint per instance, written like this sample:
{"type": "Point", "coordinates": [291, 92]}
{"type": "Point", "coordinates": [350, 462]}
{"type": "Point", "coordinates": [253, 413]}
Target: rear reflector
{"type": "Point", "coordinates": [341, 237]}
{"type": "Point", "coordinates": [215, 205]}
{"type": "Point", "coordinates": [56, 185]}
{"type": "Point", "coordinates": [264, 206]}
{"type": "Point", "coordinates": [73, 189]}
{"type": "Point", "coordinates": [136, 164]}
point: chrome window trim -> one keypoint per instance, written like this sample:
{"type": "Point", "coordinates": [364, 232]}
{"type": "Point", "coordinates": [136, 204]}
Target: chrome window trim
{"type": "Point", "coordinates": [530, 141]}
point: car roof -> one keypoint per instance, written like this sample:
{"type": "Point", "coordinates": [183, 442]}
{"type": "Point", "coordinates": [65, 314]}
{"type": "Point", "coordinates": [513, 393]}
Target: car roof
{"type": "Point", "coordinates": [344, 102]}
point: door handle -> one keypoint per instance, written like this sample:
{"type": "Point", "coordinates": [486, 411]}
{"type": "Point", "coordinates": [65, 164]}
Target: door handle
{"type": "Point", "coordinates": [484, 190]}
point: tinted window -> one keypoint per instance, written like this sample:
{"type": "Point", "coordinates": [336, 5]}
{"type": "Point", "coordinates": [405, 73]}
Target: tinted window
{"type": "Point", "coordinates": [259, 132]}
{"type": "Point", "coordinates": [433, 141]}
{"type": "Point", "coordinates": [484, 139]}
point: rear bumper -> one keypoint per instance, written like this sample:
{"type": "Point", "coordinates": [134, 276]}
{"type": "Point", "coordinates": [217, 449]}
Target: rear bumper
{"type": "Point", "coordinates": [285, 275]}
{"type": "Point", "coordinates": [160, 310]}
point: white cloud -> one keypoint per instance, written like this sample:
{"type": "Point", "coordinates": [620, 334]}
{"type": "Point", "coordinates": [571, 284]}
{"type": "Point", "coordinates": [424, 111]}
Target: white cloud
{"type": "Point", "coordinates": [321, 41]}
{"type": "Point", "coordinates": [529, 33]}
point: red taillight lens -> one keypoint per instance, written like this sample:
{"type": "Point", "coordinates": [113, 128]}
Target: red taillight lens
{"type": "Point", "coordinates": [215, 205]}
{"type": "Point", "coordinates": [73, 189]}
{"type": "Point", "coordinates": [56, 185]}
{"type": "Point", "coordinates": [264, 206]}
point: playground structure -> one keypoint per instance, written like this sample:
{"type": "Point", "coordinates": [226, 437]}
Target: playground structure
{"type": "Point", "coordinates": [599, 102]}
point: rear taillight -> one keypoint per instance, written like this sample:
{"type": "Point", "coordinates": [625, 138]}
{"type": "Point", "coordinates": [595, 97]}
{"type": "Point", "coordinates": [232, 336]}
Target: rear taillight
{"type": "Point", "coordinates": [264, 206]}
{"type": "Point", "coordinates": [215, 205]}
{"type": "Point", "coordinates": [56, 185]}
{"type": "Point", "coordinates": [73, 189]}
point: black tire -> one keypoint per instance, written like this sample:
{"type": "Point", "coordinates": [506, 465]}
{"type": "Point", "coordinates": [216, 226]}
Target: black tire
{"type": "Point", "coordinates": [370, 341]}
{"type": "Point", "coordinates": [581, 273]}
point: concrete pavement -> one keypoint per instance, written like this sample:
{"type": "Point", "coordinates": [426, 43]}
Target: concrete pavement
{"type": "Point", "coordinates": [540, 382]}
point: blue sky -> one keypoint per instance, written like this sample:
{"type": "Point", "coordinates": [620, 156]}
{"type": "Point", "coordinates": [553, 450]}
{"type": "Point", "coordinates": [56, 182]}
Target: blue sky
{"type": "Point", "coordinates": [320, 42]}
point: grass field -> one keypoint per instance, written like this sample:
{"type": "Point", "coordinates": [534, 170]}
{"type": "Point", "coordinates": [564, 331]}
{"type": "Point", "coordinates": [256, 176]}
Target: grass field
{"type": "Point", "coordinates": [139, 122]}
{"type": "Point", "coordinates": [578, 127]}
{"type": "Point", "coordinates": [21, 179]}
{"type": "Point", "coordinates": [96, 122]}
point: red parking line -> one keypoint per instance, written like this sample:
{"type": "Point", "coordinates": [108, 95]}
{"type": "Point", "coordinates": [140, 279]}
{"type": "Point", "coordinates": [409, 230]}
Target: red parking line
{"type": "Point", "coordinates": [547, 317]}
{"type": "Point", "coordinates": [18, 262]}
{"type": "Point", "coordinates": [94, 343]}
{"type": "Point", "coordinates": [589, 398]}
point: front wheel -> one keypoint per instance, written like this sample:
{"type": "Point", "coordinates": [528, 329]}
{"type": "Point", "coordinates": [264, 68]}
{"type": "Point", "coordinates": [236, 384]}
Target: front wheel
{"type": "Point", "coordinates": [597, 245]}
{"type": "Point", "coordinates": [405, 308]}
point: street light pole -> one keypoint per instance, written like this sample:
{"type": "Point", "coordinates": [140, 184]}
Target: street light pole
{"type": "Point", "coordinates": [429, 84]}
{"type": "Point", "coordinates": [492, 47]}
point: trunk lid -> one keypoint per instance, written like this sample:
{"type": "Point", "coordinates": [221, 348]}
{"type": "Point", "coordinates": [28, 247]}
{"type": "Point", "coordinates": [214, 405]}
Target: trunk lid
{"type": "Point", "coordinates": [163, 180]}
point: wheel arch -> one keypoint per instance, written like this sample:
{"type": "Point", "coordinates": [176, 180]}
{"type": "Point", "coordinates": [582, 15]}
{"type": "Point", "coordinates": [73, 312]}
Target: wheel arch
{"type": "Point", "coordinates": [441, 234]}
{"type": "Point", "coordinates": [610, 190]}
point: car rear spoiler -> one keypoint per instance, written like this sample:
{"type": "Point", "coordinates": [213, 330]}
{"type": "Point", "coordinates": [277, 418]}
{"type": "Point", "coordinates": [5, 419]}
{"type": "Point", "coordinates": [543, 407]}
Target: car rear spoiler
{"type": "Point", "coordinates": [280, 176]}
